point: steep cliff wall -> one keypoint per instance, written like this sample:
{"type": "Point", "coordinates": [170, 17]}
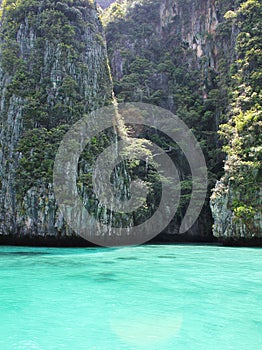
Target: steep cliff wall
{"type": "Point", "coordinates": [53, 69]}
{"type": "Point", "coordinates": [190, 57]}
{"type": "Point", "coordinates": [176, 54]}
{"type": "Point", "coordinates": [180, 55]}
{"type": "Point", "coordinates": [236, 201]}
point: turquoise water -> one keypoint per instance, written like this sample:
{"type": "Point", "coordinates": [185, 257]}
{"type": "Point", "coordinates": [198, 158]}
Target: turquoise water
{"type": "Point", "coordinates": [146, 297]}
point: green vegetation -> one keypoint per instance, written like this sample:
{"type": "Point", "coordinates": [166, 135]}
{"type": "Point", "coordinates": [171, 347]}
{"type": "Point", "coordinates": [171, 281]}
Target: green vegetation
{"type": "Point", "coordinates": [54, 70]}
{"type": "Point", "coordinates": [57, 28]}
{"type": "Point", "coordinates": [243, 130]}
{"type": "Point", "coordinates": [154, 64]}
{"type": "Point", "coordinates": [37, 150]}
{"type": "Point", "coordinates": [158, 71]}
{"type": "Point", "coordinates": [46, 76]}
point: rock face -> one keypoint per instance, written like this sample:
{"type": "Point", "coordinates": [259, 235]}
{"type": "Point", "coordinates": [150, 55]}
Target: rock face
{"type": "Point", "coordinates": [174, 24]}
{"type": "Point", "coordinates": [236, 201]}
{"type": "Point", "coordinates": [53, 69]}
{"type": "Point", "coordinates": [228, 226]}
{"type": "Point", "coordinates": [167, 53]}
{"type": "Point", "coordinates": [183, 62]}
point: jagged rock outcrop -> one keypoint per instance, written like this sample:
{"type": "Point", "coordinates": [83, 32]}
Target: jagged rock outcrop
{"type": "Point", "coordinates": [236, 201]}
{"type": "Point", "coordinates": [58, 71]}
{"type": "Point", "coordinates": [188, 26]}
{"type": "Point", "coordinates": [176, 54]}
{"type": "Point", "coordinates": [162, 52]}
{"type": "Point", "coordinates": [229, 227]}
{"type": "Point", "coordinates": [167, 53]}
{"type": "Point", "coordinates": [53, 69]}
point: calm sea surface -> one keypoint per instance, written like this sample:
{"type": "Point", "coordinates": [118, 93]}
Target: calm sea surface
{"type": "Point", "coordinates": [179, 297]}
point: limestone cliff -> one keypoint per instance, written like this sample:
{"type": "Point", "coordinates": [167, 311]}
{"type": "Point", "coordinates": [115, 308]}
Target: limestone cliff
{"type": "Point", "coordinates": [183, 56]}
{"type": "Point", "coordinates": [53, 69]}
{"type": "Point", "coordinates": [236, 201]}
{"type": "Point", "coordinates": [180, 55]}
{"type": "Point", "coordinates": [169, 53]}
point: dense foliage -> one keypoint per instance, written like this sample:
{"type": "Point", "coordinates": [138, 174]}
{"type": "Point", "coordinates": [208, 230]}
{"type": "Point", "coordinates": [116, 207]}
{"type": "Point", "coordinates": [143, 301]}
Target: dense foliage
{"type": "Point", "coordinates": [154, 64]}
{"type": "Point", "coordinates": [243, 131]}
{"type": "Point", "coordinates": [53, 94]}
{"type": "Point", "coordinates": [161, 69]}
{"type": "Point", "coordinates": [45, 73]}
{"type": "Point", "coordinates": [213, 79]}
{"type": "Point", "coordinates": [151, 62]}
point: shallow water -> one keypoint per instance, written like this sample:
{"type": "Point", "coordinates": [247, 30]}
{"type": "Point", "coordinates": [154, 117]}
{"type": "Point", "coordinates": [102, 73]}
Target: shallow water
{"type": "Point", "coordinates": [148, 297]}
